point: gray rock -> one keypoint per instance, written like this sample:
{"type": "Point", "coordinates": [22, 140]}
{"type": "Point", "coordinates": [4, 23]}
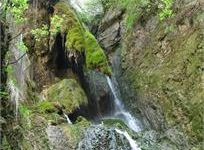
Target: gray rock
{"type": "Point", "coordinates": [99, 92]}
{"type": "Point", "coordinates": [109, 31]}
{"type": "Point", "coordinates": [57, 138]}
{"type": "Point", "coordinates": [99, 137]}
{"type": "Point", "coordinates": [110, 36]}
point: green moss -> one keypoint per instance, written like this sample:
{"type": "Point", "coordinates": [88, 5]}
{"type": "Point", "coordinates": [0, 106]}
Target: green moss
{"type": "Point", "coordinates": [172, 80]}
{"type": "Point", "coordinates": [75, 39]}
{"type": "Point", "coordinates": [67, 22]}
{"type": "Point", "coordinates": [82, 122]}
{"type": "Point", "coordinates": [45, 107]}
{"type": "Point", "coordinates": [78, 38]}
{"type": "Point", "coordinates": [95, 57]}
{"type": "Point", "coordinates": [74, 132]}
{"type": "Point", "coordinates": [68, 94]}
{"type": "Point", "coordinates": [115, 123]}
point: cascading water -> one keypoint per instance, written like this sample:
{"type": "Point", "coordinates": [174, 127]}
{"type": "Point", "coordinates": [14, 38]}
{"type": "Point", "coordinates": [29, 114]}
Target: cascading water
{"type": "Point", "coordinates": [68, 120]}
{"type": "Point", "coordinates": [120, 111]}
{"type": "Point", "coordinates": [133, 144]}
{"type": "Point", "coordinates": [20, 73]}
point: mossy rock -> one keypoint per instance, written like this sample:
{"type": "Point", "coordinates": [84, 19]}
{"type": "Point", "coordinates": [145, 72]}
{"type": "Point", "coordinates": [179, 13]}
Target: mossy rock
{"type": "Point", "coordinates": [78, 39]}
{"type": "Point", "coordinates": [74, 132]}
{"type": "Point", "coordinates": [95, 56]}
{"type": "Point", "coordinates": [114, 122]}
{"type": "Point", "coordinates": [46, 107]}
{"type": "Point", "coordinates": [65, 20]}
{"type": "Point", "coordinates": [68, 94]}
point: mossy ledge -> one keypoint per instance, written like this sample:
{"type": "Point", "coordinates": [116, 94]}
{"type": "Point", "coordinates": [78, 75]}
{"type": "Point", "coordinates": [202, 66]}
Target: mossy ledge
{"type": "Point", "coordinates": [67, 94]}
{"type": "Point", "coordinates": [78, 39]}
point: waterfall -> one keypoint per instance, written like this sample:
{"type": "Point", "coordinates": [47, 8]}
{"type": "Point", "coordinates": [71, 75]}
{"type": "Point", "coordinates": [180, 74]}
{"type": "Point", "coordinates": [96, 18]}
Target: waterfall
{"type": "Point", "coordinates": [20, 72]}
{"type": "Point", "coordinates": [68, 120]}
{"type": "Point", "coordinates": [120, 111]}
{"type": "Point", "coordinates": [14, 95]}
{"type": "Point", "coordinates": [133, 144]}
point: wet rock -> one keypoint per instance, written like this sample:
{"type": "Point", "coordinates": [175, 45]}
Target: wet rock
{"type": "Point", "coordinates": [57, 138]}
{"type": "Point", "coordinates": [99, 92]}
{"type": "Point", "coordinates": [152, 140]}
{"type": "Point", "coordinates": [159, 62]}
{"type": "Point", "coordinates": [99, 137]}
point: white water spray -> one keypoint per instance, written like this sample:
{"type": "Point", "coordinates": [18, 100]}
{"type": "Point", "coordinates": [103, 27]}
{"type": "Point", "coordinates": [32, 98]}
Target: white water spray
{"type": "Point", "coordinates": [133, 144]}
{"type": "Point", "coordinates": [120, 111]}
{"type": "Point", "coordinates": [68, 120]}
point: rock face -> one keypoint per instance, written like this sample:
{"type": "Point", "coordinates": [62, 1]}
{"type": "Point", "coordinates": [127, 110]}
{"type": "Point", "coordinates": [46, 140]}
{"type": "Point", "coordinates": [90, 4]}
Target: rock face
{"type": "Point", "coordinates": [109, 31]}
{"type": "Point", "coordinates": [161, 68]}
{"type": "Point", "coordinates": [99, 137]}
{"type": "Point", "coordinates": [151, 140]}
{"type": "Point", "coordinates": [57, 64]}
{"type": "Point", "coordinates": [57, 138]}
{"type": "Point", "coordinates": [99, 93]}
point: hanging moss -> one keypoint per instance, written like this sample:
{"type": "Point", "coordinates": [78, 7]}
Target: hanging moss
{"type": "Point", "coordinates": [78, 39]}
{"type": "Point", "coordinates": [64, 20]}
{"type": "Point", "coordinates": [95, 57]}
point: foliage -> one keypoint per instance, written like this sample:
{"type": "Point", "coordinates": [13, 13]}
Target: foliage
{"type": "Point", "coordinates": [56, 22]}
{"type": "Point", "coordinates": [166, 10]}
{"type": "Point", "coordinates": [40, 33]}
{"type": "Point", "coordinates": [95, 57]}
{"type": "Point", "coordinates": [5, 144]}
{"type": "Point", "coordinates": [91, 11]}
{"type": "Point", "coordinates": [80, 39]}
{"type": "Point", "coordinates": [25, 113]}
{"type": "Point", "coordinates": [22, 47]}
{"type": "Point", "coordinates": [68, 23]}
{"type": "Point", "coordinates": [45, 107]}
{"type": "Point", "coordinates": [3, 94]}
{"type": "Point", "coordinates": [17, 9]}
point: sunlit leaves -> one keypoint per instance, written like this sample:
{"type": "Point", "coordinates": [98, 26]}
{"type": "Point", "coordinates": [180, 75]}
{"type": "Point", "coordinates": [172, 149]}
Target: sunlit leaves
{"type": "Point", "coordinates": [166, 10]}
{"type": "Point", "coordinates": [17, 9]}
{"type": "Point", "coordinates": [56, 22]}
{"type": "Point", "coordinates": [21, 46]}
{"type": "Point", "coordinates": [40, 33]}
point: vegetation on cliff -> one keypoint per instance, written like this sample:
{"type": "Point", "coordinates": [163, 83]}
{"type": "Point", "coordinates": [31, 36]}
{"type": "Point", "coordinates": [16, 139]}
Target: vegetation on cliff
{"type": "Point", "coordinates": [67, 94]}
{"type": "Point", "coordinates": [78, 38]}
{"type": "Point", "coordinates": [166, 68]}
{"type": "Point", "coordinates": [157, 61]}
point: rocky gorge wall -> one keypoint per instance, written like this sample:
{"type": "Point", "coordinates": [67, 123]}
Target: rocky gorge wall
{"type": "Point", "coordinates": [54, 87]}
{"type": "Point", "coordinates": [159, 65]}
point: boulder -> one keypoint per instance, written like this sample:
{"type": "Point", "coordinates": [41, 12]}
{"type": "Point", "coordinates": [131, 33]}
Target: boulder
{"type": "Point", "coordinates": [68, 94]}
